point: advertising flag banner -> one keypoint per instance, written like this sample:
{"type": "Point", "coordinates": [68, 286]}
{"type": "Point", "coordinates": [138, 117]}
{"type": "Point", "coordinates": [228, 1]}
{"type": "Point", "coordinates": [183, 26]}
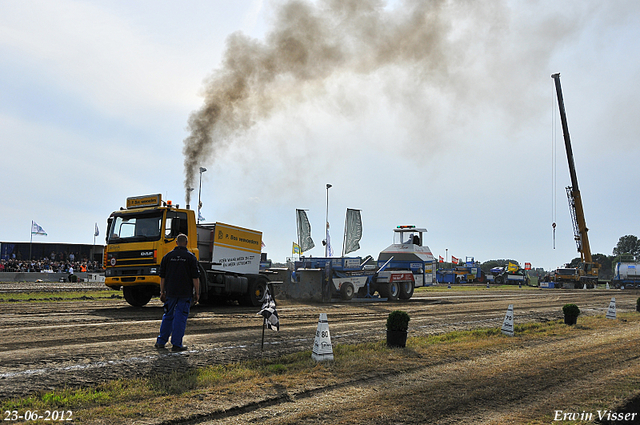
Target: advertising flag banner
{"type": "Point", "coordinates": [304, 231]}
{"type": "Point", "coordinates": [296, 249]}
{"type": "Point", "coordinates": [96, 232]}
{"type": "Point", "coordinates": [353, 231]}
{"type": "Point", "coordinates": [454, 260]}
{"type": "Point", "coordinates": [440, 259]}
{"type": "Point", "coordinates": [527, 266]}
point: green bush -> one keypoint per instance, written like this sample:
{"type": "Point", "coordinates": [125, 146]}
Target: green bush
{"type": "Point", "coordinates": [571, 310]}
{"type": "Point", "coordinates": [398, 321]}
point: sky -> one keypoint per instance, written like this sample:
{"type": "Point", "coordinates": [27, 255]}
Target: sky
{"type": "Point", "coordinates": [439, 114]}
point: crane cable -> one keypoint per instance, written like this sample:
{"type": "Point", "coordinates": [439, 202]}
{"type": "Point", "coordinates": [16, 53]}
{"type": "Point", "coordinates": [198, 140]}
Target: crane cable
{"type": "Point", "coordinates": [554, 163]}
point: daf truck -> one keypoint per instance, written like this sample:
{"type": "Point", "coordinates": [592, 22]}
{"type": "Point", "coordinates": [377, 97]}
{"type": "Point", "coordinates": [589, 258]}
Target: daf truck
{"type": "Point", "coordinates": [139, 236]}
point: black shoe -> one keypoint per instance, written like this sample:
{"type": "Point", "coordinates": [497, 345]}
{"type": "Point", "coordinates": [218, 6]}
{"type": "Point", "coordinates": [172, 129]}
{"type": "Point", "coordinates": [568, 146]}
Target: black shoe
{"type": "Point", "coordinates": [176, 348]}
{"type": "Point", "coordinates": [159, 346]}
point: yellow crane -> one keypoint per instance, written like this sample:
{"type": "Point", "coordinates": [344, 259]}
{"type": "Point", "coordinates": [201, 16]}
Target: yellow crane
{"type": "Point", "coordinates": [587, 271]}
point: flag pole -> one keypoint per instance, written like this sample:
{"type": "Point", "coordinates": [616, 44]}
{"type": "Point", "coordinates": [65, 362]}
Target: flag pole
{"type": "Point", "coordinates": [264, 323]}
{"type": "Point", "coordinates": [31, 240]}
{"type": "Point", "coordinates": [344, 238]}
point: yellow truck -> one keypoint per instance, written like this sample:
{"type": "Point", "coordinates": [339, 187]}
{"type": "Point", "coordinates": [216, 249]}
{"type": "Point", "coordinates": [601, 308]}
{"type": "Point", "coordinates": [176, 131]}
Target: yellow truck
{"type": "Point", "coordinates": [139, 235]}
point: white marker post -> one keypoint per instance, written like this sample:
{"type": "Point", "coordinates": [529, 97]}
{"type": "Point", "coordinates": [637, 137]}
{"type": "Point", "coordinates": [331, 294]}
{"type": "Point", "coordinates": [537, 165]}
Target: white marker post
{"type": "Point", "coordinates": [322, 349]}
{"type": "Point", "coordinates": [507, 325]}
{"type": "Point", "coordinates": [611, 313]}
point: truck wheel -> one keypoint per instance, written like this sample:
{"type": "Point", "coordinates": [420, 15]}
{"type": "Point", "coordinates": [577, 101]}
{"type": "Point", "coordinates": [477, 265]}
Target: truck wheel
{"type": "Point", "coordinates": [257, 288]}
{"type": "Point", "coordinates": [499, 280]}
{"type": "Point", "coordinates": [136, 296]}
{"type": "Point", "coordinates": [347, 291]}
{"type": "Point", "coordinates": [392, 291]}
{"type": "Point", "coordinates": [406, 290]}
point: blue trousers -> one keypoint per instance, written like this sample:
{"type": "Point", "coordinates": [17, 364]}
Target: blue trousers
{"type": "Point", "coordinates": [174, 321]}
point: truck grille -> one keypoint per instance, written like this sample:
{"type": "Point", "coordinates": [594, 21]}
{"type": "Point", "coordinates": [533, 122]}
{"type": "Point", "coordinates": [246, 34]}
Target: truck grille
{"type": "Point", "coordinates": [129, 258]}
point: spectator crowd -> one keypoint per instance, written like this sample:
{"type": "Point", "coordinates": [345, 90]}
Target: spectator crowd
{"type": "Point", "coordinates": [61, 263]}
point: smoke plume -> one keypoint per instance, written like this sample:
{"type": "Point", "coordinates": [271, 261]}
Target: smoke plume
{"type": "Point", "coordinates": [308, 44]}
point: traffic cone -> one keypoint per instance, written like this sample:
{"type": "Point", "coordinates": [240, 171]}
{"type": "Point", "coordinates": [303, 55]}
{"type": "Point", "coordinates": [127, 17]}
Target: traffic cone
{"type": "Point", "coordinates": [507, 325]}
{"type": "Point", "coordinates": [322, 349]}
{"type": "Point", "coordinates": [611, 313]}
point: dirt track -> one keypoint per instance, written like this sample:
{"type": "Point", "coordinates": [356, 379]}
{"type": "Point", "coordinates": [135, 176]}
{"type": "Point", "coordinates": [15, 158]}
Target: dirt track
{"type": "Point", "coordinates": [54, 344]}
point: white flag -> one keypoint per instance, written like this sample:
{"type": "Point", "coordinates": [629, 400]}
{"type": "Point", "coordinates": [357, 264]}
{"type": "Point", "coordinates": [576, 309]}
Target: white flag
{"type": "Point", "coordinates": [36, 229]}
{"type": "Point", "coordinates": [97, 231]}
{"type": "Point", "coordinates": [328, 241]}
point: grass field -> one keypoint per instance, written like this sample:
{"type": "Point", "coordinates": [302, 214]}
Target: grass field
{"type": "Point", "coordinates": [159, 398]}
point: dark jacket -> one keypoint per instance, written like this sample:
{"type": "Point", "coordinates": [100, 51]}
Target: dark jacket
{"type": "Point", "coordinates": [178, 268]}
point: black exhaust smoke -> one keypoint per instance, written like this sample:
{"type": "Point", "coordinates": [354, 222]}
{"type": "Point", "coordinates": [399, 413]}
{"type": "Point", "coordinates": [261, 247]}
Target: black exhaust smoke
{"type": "Point", "coordinates": [308, 44]}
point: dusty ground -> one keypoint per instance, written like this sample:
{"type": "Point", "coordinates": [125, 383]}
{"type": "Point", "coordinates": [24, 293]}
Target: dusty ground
{"type": "Point", "coordinates": [78, 343]}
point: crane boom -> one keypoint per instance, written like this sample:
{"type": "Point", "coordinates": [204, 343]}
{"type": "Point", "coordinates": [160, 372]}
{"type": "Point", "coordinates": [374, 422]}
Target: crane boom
{"type": "Point", "coordinates": [573, 193]}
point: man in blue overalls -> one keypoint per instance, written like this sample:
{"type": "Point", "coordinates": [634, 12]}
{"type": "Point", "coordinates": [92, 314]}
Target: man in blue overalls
{"type": "Point", "coordinates": [179, 275]}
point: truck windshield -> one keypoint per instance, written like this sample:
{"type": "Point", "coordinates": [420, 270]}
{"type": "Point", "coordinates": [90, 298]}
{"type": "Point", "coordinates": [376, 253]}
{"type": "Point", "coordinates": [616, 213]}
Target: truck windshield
{"type": "Point", "coordinates": [135, 227]}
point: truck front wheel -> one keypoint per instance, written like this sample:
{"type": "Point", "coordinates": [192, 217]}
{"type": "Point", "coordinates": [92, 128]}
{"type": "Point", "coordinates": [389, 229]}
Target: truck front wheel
{"type": "Point", "coordinates": [137, 296]}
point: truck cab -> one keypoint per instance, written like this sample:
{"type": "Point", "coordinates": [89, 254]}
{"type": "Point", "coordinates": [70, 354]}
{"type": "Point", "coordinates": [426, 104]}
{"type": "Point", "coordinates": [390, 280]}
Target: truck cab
{"type": "Point", "coordinates": [138, 237]}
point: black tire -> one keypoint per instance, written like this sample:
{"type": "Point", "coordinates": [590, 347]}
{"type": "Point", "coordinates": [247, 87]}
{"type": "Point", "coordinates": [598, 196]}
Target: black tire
{"type": "Point", "coordinates": [257, 288]}
{"type": "Point", "coordinates": [406, 290]}
{"type": "Point", "coordinates": [137, 296]}
{"type": "Point", "coordinates": [347, 291]}
{"type": "Point", "coordinates": [390, 291]}
{"type": "Point", "coordinates": [499, 280]}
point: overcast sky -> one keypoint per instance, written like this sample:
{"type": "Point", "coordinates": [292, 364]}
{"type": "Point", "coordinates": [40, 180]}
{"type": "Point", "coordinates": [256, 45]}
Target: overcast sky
{"type": "Point", "coordinates": [455, 135]}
